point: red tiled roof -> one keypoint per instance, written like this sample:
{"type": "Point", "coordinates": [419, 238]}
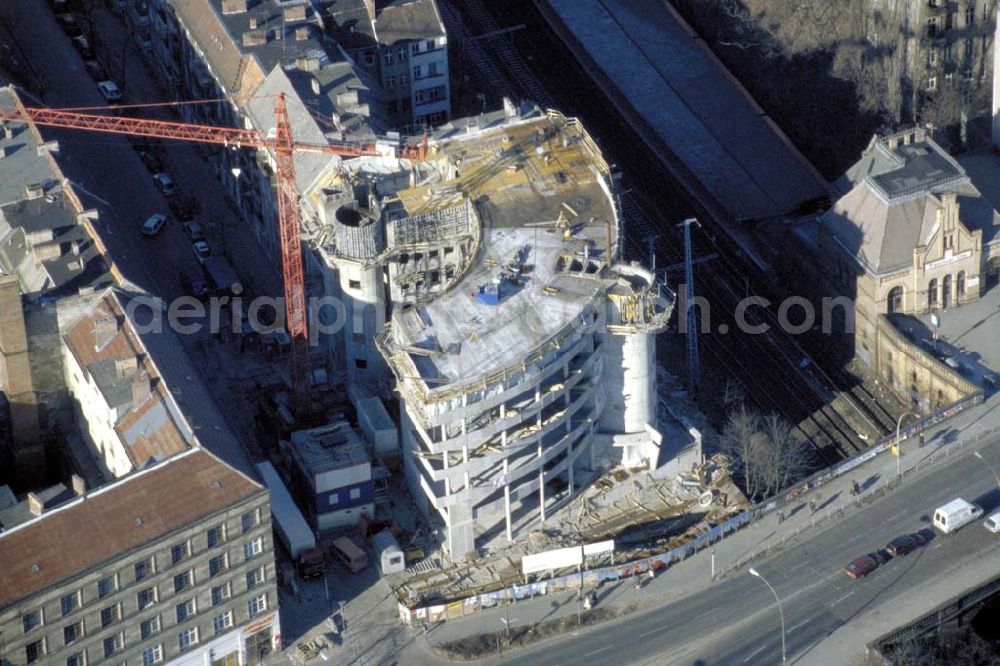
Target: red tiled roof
{"type": "Point", "coordinates": [104, 524]}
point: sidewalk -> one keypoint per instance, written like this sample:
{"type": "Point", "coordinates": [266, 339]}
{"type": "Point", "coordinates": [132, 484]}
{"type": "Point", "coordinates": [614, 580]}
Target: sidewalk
{"type": "Point", "coordinates": [757, 541]}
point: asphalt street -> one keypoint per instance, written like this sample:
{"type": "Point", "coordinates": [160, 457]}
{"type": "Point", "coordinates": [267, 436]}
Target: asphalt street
{"type": "Point", "coordinates": [737, 622]}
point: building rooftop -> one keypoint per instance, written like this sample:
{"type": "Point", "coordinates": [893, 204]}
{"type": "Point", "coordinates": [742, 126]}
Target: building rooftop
{"type": "Point", "coordinates": [402, 20]}
{"type": "Point", "coordinates": [329, 447]}
{"type": "Point", "coordinates": [16, 513]}
{"type": "Point", "coordinates": [544, 216]}
{"type": "Point", "coordinates": [41, 238]}
{"type": "Point", "coordinates": [149, 421]}
{"type": "Point", "coordinates": [138, 509]}
{"type": "Point", "coordinates": [891, 197]}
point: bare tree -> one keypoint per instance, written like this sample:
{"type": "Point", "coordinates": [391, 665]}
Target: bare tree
{"type": "Point", "coordinates": [764, 450]}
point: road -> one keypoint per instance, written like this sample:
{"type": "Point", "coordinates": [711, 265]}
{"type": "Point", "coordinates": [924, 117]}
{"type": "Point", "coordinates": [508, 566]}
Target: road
{"type": "Point", "coordinates": [736, 621]}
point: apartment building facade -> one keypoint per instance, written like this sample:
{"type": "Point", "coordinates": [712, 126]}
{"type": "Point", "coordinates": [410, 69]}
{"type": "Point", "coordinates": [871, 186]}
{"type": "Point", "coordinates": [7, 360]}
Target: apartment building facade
{"type": "Point", "coordinates": [178, 568]}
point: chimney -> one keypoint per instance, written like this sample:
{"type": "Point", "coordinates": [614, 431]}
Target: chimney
{"type": "Point", "coordinates": [141, 389]}
{"type": "Point", "coordinates": [34, 190]}
{"type": "Point", "coordinates": [234, 6]}
{"type": "Point", "coordinates": [253, 22]}
{"type": "Point", "coordinates": [3, 152]}
{"type": "Point", "coordinates": [278, 35]}
{"type": "Point", "coordinates": [295, 13]}
{"type": "Point", "coordinates": [919, 135]}
{"type": "Point", "coordinates": [307, 64]}
{"type": "Point", "coordinates": [254, 38]}
{"type": "Point", "coordinates": [315, 85]}
{"type": "Point", "coordinates": [907, 137]}
{"type": "Point", "coordinates": [47, 147]}
{"type": "Point", "coordinates": [8, 131]}
{"type": "Point", "coordinates": [302, 33]}
{"type": "Point", "coordinates": [35, 505]}
{"type": "Point", "coordinates": [78, 484]}
{"type": "Point", "coordinates": [126, 367]}
{"type": "Point", "coordinates": [105, 330]}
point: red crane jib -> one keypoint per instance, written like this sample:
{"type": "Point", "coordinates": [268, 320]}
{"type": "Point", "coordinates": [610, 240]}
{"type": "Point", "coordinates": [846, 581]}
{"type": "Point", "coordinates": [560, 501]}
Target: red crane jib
{"type": "Point", "coordinates": [284, 147]}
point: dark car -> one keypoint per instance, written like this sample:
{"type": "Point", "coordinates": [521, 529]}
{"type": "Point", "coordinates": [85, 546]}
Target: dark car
{"type": "Point", "coordinates": [69, 24]}
{"type": "Point", "coordinates": [907, 543]}
{"type": "Point", "coordinates": [195, 286]}
{"type": "Point", "coordinates": [861, 566]}
{"type": "Point", "coordinates": [95, 70]}
{"type": "Point", "coordinates": [151, 159]}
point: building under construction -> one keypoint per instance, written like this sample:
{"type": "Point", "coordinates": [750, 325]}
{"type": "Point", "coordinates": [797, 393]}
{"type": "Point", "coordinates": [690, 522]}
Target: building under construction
{"type": "Point", "coordinates": [521, 347]}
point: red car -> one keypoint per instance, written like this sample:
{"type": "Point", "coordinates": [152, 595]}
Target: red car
{"type": "Point", "coordinates": [902, 545]}
{"type": "Point", "coordinates": [861, 566]}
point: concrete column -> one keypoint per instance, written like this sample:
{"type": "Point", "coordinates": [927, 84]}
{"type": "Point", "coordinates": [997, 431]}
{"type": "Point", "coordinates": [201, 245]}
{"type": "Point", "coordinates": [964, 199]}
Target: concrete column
{"type": "Point", "coordinates": [541, 472]}
{"type": "Point", "coordinates": [506, 471]}
{"type": "Point", "coordinates": [996, 81]}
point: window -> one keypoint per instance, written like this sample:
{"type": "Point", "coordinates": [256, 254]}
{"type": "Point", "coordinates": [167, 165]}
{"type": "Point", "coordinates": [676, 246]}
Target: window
{"type": "Point", "coordinates": [369, 58]}
{"type": "Point", "coordinates": [334, 498]}
{"type": "Point", "coordinates": [179, 552]}
{"type": "Point", "coordinates": [144, 568]}
{"type": "Point", "coordinates": [72, 632]}
{"type": "Point", "coordinates": [432, 69]}
{"type": "Point", "coordinates": [216, 535]}
{"type": "Point", "coordinates": [402, 54]}
{"type": "Point", "coordinates": [76, 660]}
{"type": "Point", "coordinates": [932, 83]}
{"type": "Point", "coordinates": [146, 598]}
{"type": "Point", "coordinates": [390, 82]}
{"type": "Point", "coordinates": [968, 49]}
{"type": "Point", "coordinates": [257, 605]}
{"type": "Point", "coordinates": [358, 338]}
{"type": "Point", "coordinates": [932, 27]}
{"type": "Point", "coordinates": [185, 609]}
{"type": "Point", "coordinates": [110, 615]}
{"type": "Point", "coordinates": [387, 58]}
{"type": "Point", "coordinates": [360, 363]}
{"type": "Point", "coordinates": [429, 45]}
{"type": "Point", "coordinates": [417, 72]}
{"type": "Point", "coordinates": [153, 655]}
{"type": "Point", "coordinates": [182, 581]}
{"type": "Point", "coordinates": [960, 283]}
{"type": "Point", "coordinates": [932, 57]}
{"type": "Point", "coordinates": [219, 594]}
{"type": "Point", "coordinates": [354, 284]}
{"type": "Point", "coordinates": [415, 48]}
{"type": "Point", "coordinates": [114, 644]}
{"type": "Point", "coordinates": [34, 651]}
{"type": "Point", "coordinates": [149, 627]}
{"type": "Point", "coordinates": [249, 520]}
{"type": "Point", "coordinates": [418, 97]}
{"type": "Point", "coordinates": [970, 14]}
{"type": "Point", "coordinates": [222, 622]}
{"type": "Point", "coordinates": [31, 619]}
{"type": "Point", "coordinates": [895, 300]}
{"type": "Point", "coordinates": [187, 638]}
{"type": "Point", "coordinates": [217, 565]}
{"type": "Point", "coordinates": [255, 578]}
{"type": "Point", "coordinates": [69, 603]}
{"type": "Point", "coordinates": [932, 292]}
{"type": "Point", "coordinates": [355, 493]}
{"type": "Point", "coordinates": [253, 548]}
{"type": "Point", "coordinates": [106, 586]}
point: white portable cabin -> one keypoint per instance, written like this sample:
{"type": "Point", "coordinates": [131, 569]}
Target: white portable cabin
{"type": "Point", "coordinates": [388, 554]}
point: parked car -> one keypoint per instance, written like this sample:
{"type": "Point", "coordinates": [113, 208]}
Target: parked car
{"type": "Point", "coordinates": [195, 286]}
{"type": "Point", "coordinates": [151, 159]}
{"type": "Point", "coordinates": [69, 24]}
{"type": "Point", "coordinates": [110, 91]}
{"type": "Point", "coordinates": [907, 543]}
{"type": "Point", "coordinates": [955, 514]}
{"type": "Point", "coordinates": [95, 70]}
{"type": "Point", "coordinates": [165, 184]}
{"type": "Point", "coordinates": [82, 46]}
{"type": "Point", "coordinates": [861, 566]}
{"type": "Point", "coordinates": [992, 523]}
{"type": "Point", "coordinates": [194, 231]}
{"type": "Point", "coordinates": [184, 209]}
{"type": "Point", "coordinates": [154, 224]}
{"type": "Point", "coordinates": [201, 251]}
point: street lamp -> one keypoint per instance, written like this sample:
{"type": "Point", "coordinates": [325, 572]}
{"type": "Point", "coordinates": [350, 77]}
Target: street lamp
{"type": "Point", "coordinates": [896, 450]}
{"type": "Point", "coordinates": [993, 469]}
{"type": "Point", "coordinates": [781, 613]}
{"type": "Point", "coordinates": [507, 622]}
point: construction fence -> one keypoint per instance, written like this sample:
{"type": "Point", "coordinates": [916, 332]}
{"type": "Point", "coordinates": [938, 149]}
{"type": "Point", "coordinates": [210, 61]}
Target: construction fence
{"type": "Point", "coordinates": [582, 580]}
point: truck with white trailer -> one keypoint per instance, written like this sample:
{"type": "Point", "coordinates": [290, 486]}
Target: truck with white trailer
{"type": "Point", "coordinates": [291, 528]}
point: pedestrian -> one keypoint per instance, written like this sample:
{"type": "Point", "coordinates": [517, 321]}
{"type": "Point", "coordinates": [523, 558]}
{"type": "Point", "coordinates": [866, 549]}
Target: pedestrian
{"type": "Point", "coordinates": [781, 516]}
{"type": "Point", "coordinates": [812, 505]}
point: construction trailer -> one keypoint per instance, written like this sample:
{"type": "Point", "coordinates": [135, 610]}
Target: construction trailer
{"type": "Point", "coordinates": [291, 528]}
{"type": "Point", "coordinates": [388, 554]}
{"type": "Point", "coordinates": [333, 470]}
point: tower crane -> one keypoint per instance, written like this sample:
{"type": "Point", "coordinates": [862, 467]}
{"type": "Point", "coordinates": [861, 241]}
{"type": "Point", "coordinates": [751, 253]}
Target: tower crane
{"type": "Point", "coordinates": [283, 145]}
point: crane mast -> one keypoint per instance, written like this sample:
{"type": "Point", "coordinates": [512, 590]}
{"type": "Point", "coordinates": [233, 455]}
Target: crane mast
{"type": "Point", "coordinates": [284, 146]}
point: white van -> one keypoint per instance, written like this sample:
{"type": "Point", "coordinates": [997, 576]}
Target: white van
{"type": "Point", "coordinates": [955, 514]}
